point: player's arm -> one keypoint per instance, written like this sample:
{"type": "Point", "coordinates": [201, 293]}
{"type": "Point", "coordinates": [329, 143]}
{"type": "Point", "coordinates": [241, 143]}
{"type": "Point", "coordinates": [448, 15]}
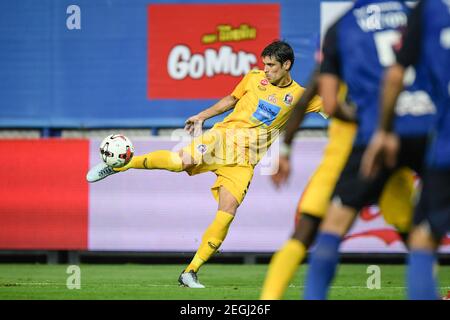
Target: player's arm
{"type": "Point", "coordinates": [292, 125]}
{"type": "Point", "coordinates": [195, 123]}
{"type": "Point", "coordinates": [330, 80]}
{"type": "Point", "coordinates": [384, 145]}
{"type": "Point", "coordinates": [223, 105]}
{"type": "Point", "coordinates": [393, 79]}
{"type": "Point", "coordinates": [300, 108]}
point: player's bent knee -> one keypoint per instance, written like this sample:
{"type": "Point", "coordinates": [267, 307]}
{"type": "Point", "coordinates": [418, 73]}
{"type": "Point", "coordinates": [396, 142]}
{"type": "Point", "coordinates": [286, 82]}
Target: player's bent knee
{"type": "Point", "coordinates": [306, 229]}
{"type": "Point", "coordinates": [421, 239]}
{"type": "Point", "coordinates": [187, 161]}
{"type": "Point", "coordinates": [338, 219]}
{"type": "Point", "coordinates": [227, 202]}
{"type": "Point", "coordinates": [230, 208]}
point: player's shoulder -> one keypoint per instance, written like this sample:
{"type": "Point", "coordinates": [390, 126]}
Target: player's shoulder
{"type": "Point", "coordinates": [295, 86]}
{"type": "Point", "coordinates": [256, 73]}
{"type": "Point", "coordinates": [294, 89]}
{"type": "Point", "coordinates": [347, 17]}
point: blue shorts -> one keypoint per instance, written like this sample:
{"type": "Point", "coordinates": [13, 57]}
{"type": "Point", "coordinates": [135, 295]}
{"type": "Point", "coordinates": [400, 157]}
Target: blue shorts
{"type": "Point", "coordinates": [434, 203]}
{"type": "Point", "coordinates": [356, 192]}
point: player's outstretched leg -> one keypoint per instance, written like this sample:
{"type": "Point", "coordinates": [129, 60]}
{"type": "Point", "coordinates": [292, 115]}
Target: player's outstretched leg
{"type": "Point", "coordinates": [161, 159]}
{"type": "Point", "coordinates": [99, 172]}
{"type": "Point", "coordinates": [212, 238]}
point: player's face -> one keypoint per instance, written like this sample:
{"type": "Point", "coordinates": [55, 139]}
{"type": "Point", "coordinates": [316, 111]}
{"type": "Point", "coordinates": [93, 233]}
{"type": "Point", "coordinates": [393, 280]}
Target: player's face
{"type": "Point", "coordinates": [274, 70]}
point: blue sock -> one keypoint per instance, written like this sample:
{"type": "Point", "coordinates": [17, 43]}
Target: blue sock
{"type": "Point", "coordinates": [421, 283]}
{"type": "Point", "coordinates": [322, 266]}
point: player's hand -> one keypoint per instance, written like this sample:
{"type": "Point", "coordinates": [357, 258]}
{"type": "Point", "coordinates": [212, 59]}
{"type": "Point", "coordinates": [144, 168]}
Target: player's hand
{"type": "Point", "coordinates": [381, 151]}
{"type": "Point", "coordinates": [194, 125]}
{"type": "Point", "coordinates": [284, 170]}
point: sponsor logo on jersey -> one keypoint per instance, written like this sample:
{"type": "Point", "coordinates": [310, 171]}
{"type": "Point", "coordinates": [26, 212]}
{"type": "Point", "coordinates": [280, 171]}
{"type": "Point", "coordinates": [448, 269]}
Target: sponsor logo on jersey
{"type": "Point", "coordinates": [202, 148]}
{"type": "Point", "coordinates": [266, 112]}
{"type": "Point", "coordinates": [264, 82]}
{"type": "Point", "coordinates": [260, 87]}
{"type": "Point", "coordinates": [414, 103]}
{"type": "Point", "coordinates": [272, 98]}
{"type": "Point", "coordinates": [288, 98]}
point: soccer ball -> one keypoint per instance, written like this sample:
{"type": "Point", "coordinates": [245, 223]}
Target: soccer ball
{"type": "Point", "coordinates": [116, 150]}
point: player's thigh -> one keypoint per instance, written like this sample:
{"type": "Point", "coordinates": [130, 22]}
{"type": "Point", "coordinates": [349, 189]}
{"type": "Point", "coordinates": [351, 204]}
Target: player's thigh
{"type": "Point", "coordinates": [338, 219]}
{"type": "Point", "coordinates": [316, 196]}
{"type": "Point", "coordinates": [412, 152]}
{"type": "Point", "coordinates": [187, 160]}
{"type": "Point", "coordinates": [235, 179]}
{"type": "Point", "coordinates": [201, 151]}
{"type": "Point", "coordinates": [227, 201]}
{"type": "Point", "coordinates": [352, 189]}
{"type": "Point", "coordinates": [433, 208]}
{"type": "Point", "coordinates": [397, 199]}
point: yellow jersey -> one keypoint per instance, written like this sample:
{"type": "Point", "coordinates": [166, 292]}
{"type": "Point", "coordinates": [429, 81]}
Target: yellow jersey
{"type": "Point", "coordinates": [261, 112]}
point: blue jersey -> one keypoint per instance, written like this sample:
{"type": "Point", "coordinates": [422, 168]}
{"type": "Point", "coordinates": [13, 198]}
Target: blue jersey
{"type": "Point", "coordinates": [415, 110]}
{"type": "Point", "coordinates": [357, 48]}
{"type": "Point", "coordinates": [427, 43]}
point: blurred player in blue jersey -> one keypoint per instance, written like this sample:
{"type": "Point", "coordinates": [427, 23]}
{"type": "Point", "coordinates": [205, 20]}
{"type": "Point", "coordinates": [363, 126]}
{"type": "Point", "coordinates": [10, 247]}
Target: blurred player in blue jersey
{"type": "Point", "coordinates": [315, 198]}
{"type": "Point", "coordinates": [396, 197]}
{"type": "Point", "coordinates": [356, 50]}
{"type": "Point", "coordinates": [426, 44]}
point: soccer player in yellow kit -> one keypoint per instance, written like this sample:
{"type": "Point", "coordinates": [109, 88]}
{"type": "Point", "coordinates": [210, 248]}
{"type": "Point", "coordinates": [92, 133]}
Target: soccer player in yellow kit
{"type": "Point", "coordinates": [262, 102]}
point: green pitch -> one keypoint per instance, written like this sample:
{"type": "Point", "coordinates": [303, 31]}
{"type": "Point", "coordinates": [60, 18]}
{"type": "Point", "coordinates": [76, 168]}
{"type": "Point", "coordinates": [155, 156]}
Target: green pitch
{"type": "Point", "coordinates": [223, 281]}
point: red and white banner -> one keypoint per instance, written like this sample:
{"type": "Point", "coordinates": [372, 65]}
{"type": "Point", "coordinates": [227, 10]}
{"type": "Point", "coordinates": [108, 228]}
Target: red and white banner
{"type": "Point", "coordinates": [200, 51]}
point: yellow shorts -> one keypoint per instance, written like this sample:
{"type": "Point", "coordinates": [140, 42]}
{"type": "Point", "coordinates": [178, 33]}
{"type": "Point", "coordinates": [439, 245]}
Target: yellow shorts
{"type": "Point", "coordinates": [236, 179]}
{"type": "Point", "coordinates": [316, 196]}
{"type": "Point", "coordinates": [397, 199]}
{"type": "Point", "coordinates": [209, 153]}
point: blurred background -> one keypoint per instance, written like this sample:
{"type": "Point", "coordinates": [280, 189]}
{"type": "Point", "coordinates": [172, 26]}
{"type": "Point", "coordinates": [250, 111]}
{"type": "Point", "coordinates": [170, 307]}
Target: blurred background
{"type": "Point", "coordinates": [72, 72]}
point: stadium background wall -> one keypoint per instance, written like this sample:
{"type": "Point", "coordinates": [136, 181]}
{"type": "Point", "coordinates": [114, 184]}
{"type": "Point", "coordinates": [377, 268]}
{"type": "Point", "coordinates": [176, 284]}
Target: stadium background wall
{"type": "Point", "coordinates": [47, 204]}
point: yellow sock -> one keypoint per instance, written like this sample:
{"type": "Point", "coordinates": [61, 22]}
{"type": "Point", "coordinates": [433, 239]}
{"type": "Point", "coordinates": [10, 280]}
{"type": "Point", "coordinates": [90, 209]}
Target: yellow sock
{"type": "Point", "coordinates": [161, 159]}
{"type": "Point", "coordinates": [211, 240]}
{"type": "Point", "coordinates": [282, 267]}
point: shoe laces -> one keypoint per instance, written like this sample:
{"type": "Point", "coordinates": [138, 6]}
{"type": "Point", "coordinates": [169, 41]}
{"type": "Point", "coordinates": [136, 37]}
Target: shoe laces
{"type": "Point", "coordinates": [105, 171]}
{"type": "Point", "coordinates": [194, 275]}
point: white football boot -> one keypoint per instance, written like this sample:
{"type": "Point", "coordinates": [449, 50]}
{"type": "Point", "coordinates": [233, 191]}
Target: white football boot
{"type": "Point", "coordinates": [190, 280]}
{"type": "Point", "coordinates": [99, 172]}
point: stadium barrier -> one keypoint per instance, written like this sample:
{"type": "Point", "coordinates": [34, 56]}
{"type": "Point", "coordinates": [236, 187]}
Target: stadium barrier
{"type": "Point", "coordinates": [48, 205]}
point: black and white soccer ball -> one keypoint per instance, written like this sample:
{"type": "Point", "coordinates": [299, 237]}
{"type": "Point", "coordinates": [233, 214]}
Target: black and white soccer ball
{"type": "Point", "coordinates": [116, 150]}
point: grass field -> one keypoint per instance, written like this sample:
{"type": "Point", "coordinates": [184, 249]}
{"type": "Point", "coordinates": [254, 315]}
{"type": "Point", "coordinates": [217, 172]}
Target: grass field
{"type": "Point", "coordinates": [156, 282]}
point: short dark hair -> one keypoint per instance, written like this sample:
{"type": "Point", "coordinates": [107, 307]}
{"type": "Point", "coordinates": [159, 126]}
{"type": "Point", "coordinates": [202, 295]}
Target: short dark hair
{"type": "Point", "coordinates": [280, 50]}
